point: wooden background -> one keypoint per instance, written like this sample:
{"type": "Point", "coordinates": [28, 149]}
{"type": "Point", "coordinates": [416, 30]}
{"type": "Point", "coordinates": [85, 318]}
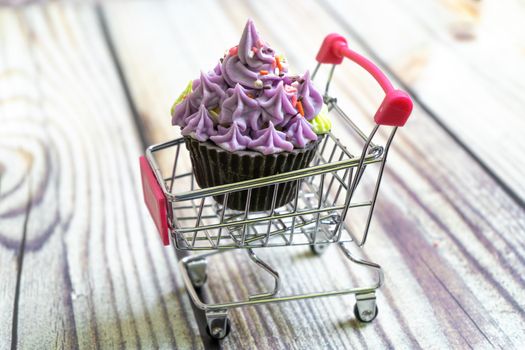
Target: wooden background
{"type": "Point", "coordinates": [84, 87]}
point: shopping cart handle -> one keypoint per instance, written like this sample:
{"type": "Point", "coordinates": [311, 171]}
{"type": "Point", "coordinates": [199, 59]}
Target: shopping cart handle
{"type": "Point", "coordinates": [154, 199]}
{"type": "Point", "coordinates": [397, 104]}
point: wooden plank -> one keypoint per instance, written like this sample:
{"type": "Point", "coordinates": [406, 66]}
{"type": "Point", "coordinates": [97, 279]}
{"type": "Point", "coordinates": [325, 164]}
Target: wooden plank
{"type": "Point", "coordinates": [438, 49]}
{"type": "Point", "coordinates": [443, 225]}
{"type": "Point", "coordinates": [70, 188]}
{"type": "Point", "coordinates": [424, 143]}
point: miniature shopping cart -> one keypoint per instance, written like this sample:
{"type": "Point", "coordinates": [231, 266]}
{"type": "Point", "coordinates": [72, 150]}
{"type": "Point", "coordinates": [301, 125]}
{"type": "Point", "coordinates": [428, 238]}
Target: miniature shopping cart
{"type": "Point", "coordinates": [325, 195]}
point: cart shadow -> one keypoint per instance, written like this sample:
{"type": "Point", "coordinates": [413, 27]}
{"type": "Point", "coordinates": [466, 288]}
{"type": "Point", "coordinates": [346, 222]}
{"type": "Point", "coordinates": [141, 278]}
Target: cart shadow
{"type": "Point", "coordinates": [352, 324]}
{"type": "Point", "coordinates": [306, 254]}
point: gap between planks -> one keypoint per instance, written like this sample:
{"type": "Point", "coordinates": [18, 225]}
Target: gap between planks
{"type": "Point", "coordinates": [19, 266]}
{"type": "Point", "coordinates": [139, 127]}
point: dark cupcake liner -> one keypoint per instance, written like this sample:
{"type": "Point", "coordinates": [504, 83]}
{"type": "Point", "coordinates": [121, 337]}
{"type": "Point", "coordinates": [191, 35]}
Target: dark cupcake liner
{"type": "Point", "coordinates": [214, 166]}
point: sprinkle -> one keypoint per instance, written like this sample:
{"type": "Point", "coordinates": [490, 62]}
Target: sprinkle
{"type": "Point", "coordinates": [276, 71]}
{"type": "Point", "coordinates": [254, 49]}
{"type": "Point", "coordinates": [295, 84]}
{"type": "Point", "coordinates": [233, 51]}
{"type": "Point", "coordinates": [263, 72]}
{"type": "Point", "coordinates": [251, 54]}
{"type": "Point", "coordinates": [294, 101]}
{"type": "Point", "coordinates": [258, 84]}
{"type": "Point", "coordinates": [281, 74]}
{"type": "Point", "coordinates": [278, 63]}
{"type": "Point", "coordinates": [289, 88]}
{"type": "Point", "coordinates": [267, 87]}
{"type": "Point", "coordinates": [300, 108]}
{"type": "Point", "coordinates": [249, 95]}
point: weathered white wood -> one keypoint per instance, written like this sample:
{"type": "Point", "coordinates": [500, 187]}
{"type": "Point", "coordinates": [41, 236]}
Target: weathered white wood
{"type": "Point", "coordinates": [451, 239]}
{"type": "Point", "coordinates": [90, 275]}
{"type": "Point", "coordinates": [463, 198]}
{"type": "Point", "coordinates": [464, 60]}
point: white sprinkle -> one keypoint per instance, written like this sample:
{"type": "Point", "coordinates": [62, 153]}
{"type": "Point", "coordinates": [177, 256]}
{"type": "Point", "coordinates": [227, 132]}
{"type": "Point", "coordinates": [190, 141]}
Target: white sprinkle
{"type": "Point", "coordinates": [251, 54]}
{"type": "Point", "coordinates": [258, 84]}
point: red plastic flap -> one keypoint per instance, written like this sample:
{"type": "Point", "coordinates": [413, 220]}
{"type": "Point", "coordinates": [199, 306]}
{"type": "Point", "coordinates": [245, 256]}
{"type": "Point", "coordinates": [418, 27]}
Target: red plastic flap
{"type": "Point", "coordinates": [395, 109]}
{"type": "Point", "coordinates": [154, 199]}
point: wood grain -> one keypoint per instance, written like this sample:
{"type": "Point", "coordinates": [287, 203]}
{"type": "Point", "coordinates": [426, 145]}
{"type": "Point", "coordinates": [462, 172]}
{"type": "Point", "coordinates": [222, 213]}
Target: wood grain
{"type": "Point", "coordinates": [77, 267]}
{"type": "Point", "coordinates": [80, 262]}
{"type": "Point", "coordinates": [464, 61]}
{"type": "Point", "coordinates": [450, 237]}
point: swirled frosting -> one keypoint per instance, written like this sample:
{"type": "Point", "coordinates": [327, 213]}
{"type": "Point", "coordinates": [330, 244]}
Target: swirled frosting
{"type": "Point", "coordinates": [270, 140]}
{"type": "Point", "coordinates": [311, 98]}
{"type": "Point", "coordinates": [231, 138]}
{"type": "Point", "coordinates": [249, 101]}
{"type": "Point", "coordinates": [300, 132]}
{"type": "Point", "coordinates": [241, 109]}
{"type": "Point", "coordinates": [209, 92]}
{"type": "Point", "coordinates": [181, 112]}
{"type": "Point", "coordinates": [199, 125]}
{"type": "Point", "coordinates": [276, 105]}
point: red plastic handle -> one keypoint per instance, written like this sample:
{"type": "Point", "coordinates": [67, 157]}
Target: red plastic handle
{"type": "Point", "coordinates": [154, 199]}
{"type": "Point", "coordinates": [397, 104]}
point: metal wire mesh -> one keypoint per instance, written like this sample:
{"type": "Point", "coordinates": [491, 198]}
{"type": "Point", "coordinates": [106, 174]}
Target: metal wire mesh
{"type": "Point", "coordinates": [314, 216]}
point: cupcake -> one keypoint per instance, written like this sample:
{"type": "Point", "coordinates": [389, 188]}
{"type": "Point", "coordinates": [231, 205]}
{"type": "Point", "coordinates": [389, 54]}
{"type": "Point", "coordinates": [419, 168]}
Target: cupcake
{"type": "Point", "coordinates": [249, 118]}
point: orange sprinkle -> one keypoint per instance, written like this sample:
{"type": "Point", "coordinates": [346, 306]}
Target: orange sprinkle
{"type": "Point", "coordinates": [233, 51]}
{"type": "Point", "coordinates": [263, 72]}
{"type": "Point", "coordinates": [300, 108]}
{"type": "Point", "coordinates": [278, 63]}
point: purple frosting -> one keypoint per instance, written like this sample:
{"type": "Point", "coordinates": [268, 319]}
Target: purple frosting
{"type": "Point", "coordinates": [182, 111]}
{"type": "Point", "coordinates": [312, 100]}
{"type": "Point", "coordinates": [241, 109]}
{"type": "Point", "coordinates": [270, 140]}
{"type": "Point", "coordinates": [299, 132]}
{"type": "Point", "coordinates": [231, 139]}
{"type": "Point", "coordinates": [208, 92]}
{"type": "Point", "coordinates": [276, 105]}
{"type": "Point", "coordinates": [264, 55]}
{"type": "Point", "coordinates": [255, 99]}
{"type": "Point", "coordinates": [199, 125]}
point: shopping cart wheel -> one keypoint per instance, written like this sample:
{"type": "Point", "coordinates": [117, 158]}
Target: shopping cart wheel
{"type": "Point", "coordinates": [197, 272]}
{"type": "Point", "coordinates": [218, 324]}
{"type": "Point", "coordinates": [318, 249]}
{"type": "Point", "coordinates": [365, 309]}
{"type": "Point", "coordinates": [366, 318]}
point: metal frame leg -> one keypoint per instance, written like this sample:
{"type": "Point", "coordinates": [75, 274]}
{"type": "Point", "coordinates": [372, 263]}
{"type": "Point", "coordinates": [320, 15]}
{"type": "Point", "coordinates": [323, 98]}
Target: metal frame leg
{"type": "Point", "coordinates": [268, 269]}
{"type": "Point", "coordinates": [218, 323]}
{"type": "Point", "coordinates": [197, 272]}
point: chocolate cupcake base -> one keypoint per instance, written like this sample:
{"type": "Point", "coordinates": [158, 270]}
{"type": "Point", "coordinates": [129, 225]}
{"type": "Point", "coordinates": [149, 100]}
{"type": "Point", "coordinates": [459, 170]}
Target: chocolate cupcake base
{"type": "Point", "coordinates": [215, 166]}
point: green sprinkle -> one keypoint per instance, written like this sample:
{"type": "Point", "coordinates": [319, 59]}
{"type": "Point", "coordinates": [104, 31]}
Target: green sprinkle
{"type": "Point", "coordinates": [321, 124]}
